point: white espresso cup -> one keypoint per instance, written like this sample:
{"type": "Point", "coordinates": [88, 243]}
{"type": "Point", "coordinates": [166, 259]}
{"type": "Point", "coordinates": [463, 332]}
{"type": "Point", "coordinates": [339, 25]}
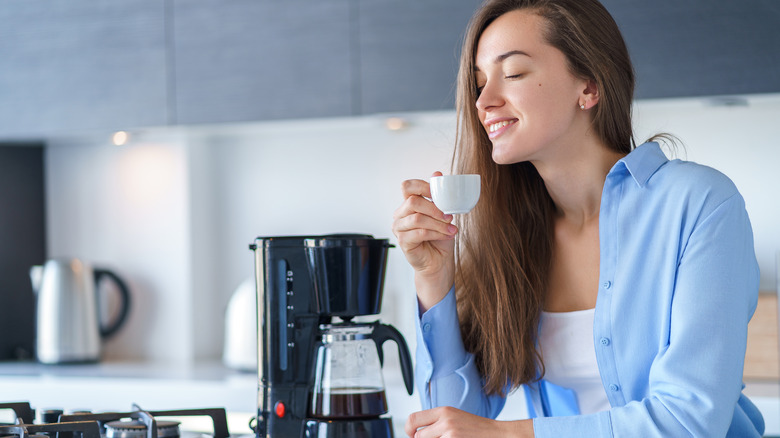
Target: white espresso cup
{"type": "Point", "coordinates": [455, 193]}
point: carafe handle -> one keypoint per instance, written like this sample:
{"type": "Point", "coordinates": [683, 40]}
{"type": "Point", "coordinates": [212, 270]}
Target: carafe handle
{"type": "Point", "coordinates": [384, 332]}
{"type": "Point", "coordinates": [124, 307]}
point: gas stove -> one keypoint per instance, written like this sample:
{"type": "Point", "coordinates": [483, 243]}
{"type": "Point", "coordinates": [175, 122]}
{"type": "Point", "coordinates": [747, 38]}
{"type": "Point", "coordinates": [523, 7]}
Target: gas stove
{"type": "Point", "coordinates": [137, 423]}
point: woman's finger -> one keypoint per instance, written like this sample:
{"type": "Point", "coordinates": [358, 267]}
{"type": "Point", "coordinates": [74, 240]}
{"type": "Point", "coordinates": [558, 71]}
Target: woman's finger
{"type": "Point", "coordinates": [420, 419]}
{"type": "Point", "coordinates": [422, 226]}
{"type": "Point", "coordinates": [418, 204]}
{"type": "Point", "coordinates": [417, 187]}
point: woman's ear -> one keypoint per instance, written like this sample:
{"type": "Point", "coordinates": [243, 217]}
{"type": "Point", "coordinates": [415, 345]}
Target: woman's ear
{"type": "Point", "coordinates": [590, 95]}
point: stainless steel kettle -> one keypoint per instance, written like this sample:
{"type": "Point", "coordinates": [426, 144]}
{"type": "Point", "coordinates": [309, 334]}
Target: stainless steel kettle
{"type": "Point", "coordinates": [68, 325]}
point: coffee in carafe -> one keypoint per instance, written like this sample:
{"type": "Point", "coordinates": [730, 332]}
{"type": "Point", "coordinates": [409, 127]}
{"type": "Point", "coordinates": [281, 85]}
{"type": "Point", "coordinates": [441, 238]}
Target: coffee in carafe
{"type": "Point", "coordinates": [349, 403]}
{"type": "Point", "coordinates": [348, 378]}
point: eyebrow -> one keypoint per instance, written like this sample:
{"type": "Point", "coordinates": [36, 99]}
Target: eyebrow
{"type": "Point", "coordinates": [504, 56]}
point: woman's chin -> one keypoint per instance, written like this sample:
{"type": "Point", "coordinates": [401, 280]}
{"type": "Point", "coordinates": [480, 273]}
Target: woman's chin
{"type": "Point", "coordinates": [501, 158]}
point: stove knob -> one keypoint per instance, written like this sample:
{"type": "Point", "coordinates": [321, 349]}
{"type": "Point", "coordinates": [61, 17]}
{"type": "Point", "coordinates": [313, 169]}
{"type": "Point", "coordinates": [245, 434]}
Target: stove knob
{"type": "Point", "coordinates": [50, 415]}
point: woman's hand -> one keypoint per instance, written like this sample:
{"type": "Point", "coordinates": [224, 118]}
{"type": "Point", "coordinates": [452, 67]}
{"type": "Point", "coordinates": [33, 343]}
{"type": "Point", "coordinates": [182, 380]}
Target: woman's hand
{"type": "Point", "coordinates": [426, 236]}
{"type": "Point", "coordinates": [453, 423]}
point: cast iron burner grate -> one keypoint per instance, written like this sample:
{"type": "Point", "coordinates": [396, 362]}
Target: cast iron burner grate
{"type": "Point", "coordinates": [90, 425]}
{"type": "Point", "coordinates": [24, 427]}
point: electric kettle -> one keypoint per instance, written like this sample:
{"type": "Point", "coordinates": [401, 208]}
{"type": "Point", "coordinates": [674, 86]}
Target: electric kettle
{"type": "Point", "coordinates": [69, 328]}
{"type": "Point", "coordinates": [240, 351]}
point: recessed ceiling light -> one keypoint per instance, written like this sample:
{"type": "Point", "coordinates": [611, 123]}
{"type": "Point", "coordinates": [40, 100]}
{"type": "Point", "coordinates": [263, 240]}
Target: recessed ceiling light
{"type": "Point", "coordinates": [120, 138]}
{"type": "Point", "coordinates": [396, 123]}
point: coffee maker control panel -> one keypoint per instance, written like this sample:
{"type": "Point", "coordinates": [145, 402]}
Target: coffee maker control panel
{"type": "Point", "coordinates": [286, 321]}
{"type": "Point", "coordinates": [290, 294]}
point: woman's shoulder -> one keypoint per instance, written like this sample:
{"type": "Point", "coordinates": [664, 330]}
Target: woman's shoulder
{"type": "Point", "coordinates": [687, 184]}
{"type": "Point", "coordinates": [693, 177]}
{"type": "Point", "coordinates": [693, 184]}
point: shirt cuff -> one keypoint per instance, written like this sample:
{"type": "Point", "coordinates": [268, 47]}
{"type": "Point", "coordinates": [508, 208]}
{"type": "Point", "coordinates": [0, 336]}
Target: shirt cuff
{"type": "Point", "coordinates": [438, 330]}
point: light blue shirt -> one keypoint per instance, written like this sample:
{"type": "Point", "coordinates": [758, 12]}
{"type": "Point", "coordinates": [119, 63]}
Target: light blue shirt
{"type": "Point", "coordinates": [678, 283]}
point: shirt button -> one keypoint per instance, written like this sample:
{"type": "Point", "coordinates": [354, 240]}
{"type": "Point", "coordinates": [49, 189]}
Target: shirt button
{"type": "Point", "coordinates": [605, 341]}
{"type": "Point", "coordinates": [607, 284]}
{"type": "Point", "coordinates": [426, 327]}
{"type": "Point", "coordinates": [613, 387]}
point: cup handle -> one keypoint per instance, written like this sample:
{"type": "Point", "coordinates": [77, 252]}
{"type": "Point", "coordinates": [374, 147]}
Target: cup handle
{"type": "Point", "coordinates": [384, 332]}
{"type": "Point", "coordinates": [124, 308]}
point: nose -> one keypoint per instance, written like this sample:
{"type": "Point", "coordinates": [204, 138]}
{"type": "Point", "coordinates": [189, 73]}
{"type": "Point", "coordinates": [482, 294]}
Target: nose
{"type": "Point", "coordinates": [489, 98]}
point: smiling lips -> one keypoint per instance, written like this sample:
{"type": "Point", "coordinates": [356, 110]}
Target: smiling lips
{"type": "Point", "coordinates": [497, 128]}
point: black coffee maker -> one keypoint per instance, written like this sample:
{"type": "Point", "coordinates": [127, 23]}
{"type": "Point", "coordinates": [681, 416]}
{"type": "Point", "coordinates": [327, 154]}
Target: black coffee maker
{"type": "Point", "coordinates": [320, 376]}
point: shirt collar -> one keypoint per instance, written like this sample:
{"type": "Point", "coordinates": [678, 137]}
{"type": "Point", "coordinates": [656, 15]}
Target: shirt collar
{"type": "Point", "coordinates": [644, 161]}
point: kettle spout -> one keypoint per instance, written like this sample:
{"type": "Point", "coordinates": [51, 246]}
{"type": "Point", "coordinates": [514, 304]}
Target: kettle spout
{"type": "Point", "coordinates": [36, 275]}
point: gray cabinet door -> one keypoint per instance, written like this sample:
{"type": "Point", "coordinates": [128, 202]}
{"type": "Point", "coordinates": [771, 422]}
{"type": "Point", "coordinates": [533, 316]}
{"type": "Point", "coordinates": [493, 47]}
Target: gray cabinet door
{"type": "Point", "coordinates": [702, 47]}
{"type": "Point", "coordinates": [71, 65]}
{"type": "Point", "coordinates": [409, 52]}
{"type": "Point", "coordinates": [248, 60]}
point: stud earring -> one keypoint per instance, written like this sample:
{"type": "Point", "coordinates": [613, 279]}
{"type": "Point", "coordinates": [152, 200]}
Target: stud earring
{"type": "Point", "coordinates": [582, 106]}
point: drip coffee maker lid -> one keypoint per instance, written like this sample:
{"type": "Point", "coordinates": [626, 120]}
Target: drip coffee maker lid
{"type": "Point", "coordinates": [342, 240]}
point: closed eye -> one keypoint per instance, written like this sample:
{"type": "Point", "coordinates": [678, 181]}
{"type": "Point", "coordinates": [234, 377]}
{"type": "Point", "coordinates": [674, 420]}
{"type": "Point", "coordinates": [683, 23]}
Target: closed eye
{"type": "Point", "coordinates": [513, 76]}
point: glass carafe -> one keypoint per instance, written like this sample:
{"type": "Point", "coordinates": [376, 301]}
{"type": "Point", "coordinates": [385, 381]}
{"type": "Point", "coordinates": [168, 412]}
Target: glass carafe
{"type": "Point", "coordinates": [348, 381]}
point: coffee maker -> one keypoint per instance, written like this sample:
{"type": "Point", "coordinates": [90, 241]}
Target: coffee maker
{"type": "Point", "coordinates": [319, 370]}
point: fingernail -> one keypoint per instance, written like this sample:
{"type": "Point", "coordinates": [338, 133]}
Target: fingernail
{"type": "Point", "coordinates": [448, 217]}
{"type": "Point", "coordinates": [451, 229]}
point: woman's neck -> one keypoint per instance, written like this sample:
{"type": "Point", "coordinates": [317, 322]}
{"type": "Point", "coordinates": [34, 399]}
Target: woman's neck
{"type": "Point", "coordinates": [575, 179]}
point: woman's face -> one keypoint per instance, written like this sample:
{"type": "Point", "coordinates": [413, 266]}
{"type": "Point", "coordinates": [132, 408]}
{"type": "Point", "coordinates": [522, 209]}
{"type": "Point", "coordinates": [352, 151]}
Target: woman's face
{"type": "Point", "coordinates": [528, 99]}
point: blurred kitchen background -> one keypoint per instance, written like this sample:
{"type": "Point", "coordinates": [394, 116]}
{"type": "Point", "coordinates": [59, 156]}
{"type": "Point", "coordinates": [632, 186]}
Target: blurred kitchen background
{"type": "Point", "coordinates": [158, 138]}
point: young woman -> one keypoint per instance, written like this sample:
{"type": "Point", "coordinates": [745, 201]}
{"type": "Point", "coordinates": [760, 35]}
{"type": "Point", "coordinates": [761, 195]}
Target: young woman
{"type": "Point", "coordinates": [614, 285]}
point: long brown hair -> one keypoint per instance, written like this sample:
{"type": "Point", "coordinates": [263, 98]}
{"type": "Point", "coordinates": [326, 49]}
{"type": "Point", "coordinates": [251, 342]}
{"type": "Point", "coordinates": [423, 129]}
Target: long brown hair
{"type": "Point", "coordinates": [506, 243]}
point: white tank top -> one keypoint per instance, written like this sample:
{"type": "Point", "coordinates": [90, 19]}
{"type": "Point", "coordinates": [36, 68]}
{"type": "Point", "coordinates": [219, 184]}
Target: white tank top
{"type": "Point", "coordinates": [566, 343]}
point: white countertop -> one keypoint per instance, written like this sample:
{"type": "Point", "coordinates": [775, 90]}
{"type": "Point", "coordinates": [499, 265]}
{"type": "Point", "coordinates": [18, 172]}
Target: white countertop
{"type": "Point", "coordinates": [155, 386]}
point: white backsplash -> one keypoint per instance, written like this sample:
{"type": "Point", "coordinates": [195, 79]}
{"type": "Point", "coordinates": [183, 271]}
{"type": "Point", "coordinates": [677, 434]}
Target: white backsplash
{"type": "Point", "coordinates": [175, 210]}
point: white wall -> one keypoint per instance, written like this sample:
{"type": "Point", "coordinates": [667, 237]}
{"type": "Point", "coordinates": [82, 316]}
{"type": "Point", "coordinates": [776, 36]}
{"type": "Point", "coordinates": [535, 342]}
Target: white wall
{"type": "Point", "coordinates": [175, 210]}
{"type": "Point", "coordinates": [126, 209]}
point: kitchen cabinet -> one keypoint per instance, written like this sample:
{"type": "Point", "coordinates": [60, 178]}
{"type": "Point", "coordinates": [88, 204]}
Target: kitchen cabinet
{"type": "Point", "coordinates": [702, 47]}
{"type": "Point", "coordinates": [75, 65]}
{"type": "Point", "coordinates": [252, 60]}
{"type": "Point", "coordinates": [409, 52]}
{"type": "Point", "coordinates": [247, 60]}
{"type": "Point", "coordinates": [85, 65]}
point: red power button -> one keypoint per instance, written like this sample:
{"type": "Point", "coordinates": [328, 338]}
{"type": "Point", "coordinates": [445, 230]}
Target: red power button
{"type": "Point", "coordinates": [279, 409]}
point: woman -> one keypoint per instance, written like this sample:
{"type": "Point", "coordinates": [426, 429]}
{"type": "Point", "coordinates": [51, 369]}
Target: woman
{"type": "Point", "coordinates": [613, 285]}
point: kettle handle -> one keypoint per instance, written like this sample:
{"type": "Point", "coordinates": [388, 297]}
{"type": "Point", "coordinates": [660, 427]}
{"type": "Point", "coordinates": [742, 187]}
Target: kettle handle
{"type": "Point", "coordinates": [124, 308]}
{"type": "Point", "coordinates": [384, 332]}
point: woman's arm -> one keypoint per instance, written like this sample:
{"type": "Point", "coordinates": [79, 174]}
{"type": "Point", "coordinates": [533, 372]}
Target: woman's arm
{"type": "Point", "coordinates": [445, 373]}
{"type": "Point", "coordinates": [427, 238]}
{"type": "Point", "coordinates": [449, 384]}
